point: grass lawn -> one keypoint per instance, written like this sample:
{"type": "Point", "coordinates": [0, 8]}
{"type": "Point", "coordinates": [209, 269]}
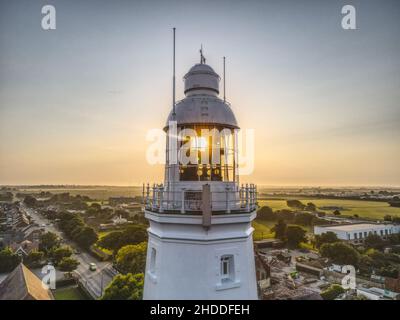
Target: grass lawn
{"type": "Point", "coordinates": [106, 251]}
{"type": "Point", "coordinates": [364, 209]}
{"type": "Point", "coordinates": [69, 293]}
{"type": "Point", "coordinates": [263, 229]}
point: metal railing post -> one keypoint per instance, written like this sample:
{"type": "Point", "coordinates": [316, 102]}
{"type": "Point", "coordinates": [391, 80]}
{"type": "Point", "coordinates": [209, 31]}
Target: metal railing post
{"type": "Point", "coordinates": [148, 195]}
{"type": "Point", "coordinates": [183, 201]}
{"type": "Point", "coordinates": [161, 198]}
{"type": "Point", "coordinates": [154, 197]}
{"type": "Point", "coordinates": [228, 209]}
{"type": "Point", "coordinates": [143, 198]}
{"type": "Point", "coordinates": [247, 197]}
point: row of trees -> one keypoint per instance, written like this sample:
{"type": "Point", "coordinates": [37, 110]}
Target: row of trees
{"type": "Point", "coordinates": [76, 229]}
{"type": "Point", "coordinates": [51, 249]}
{"type": "Point", "coordinates": [301, 218]}
{"type": "Point", "coordinates": [68, 201]}
{"type": "Point", "coordinates": [297, 204]}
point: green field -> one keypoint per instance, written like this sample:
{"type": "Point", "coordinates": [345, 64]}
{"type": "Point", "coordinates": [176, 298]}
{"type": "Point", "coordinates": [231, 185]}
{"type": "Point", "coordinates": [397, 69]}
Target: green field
{"type": "Point", "coordinates": [69, 293]}
{"type": "Point", "coordinates": [99, 193]}
{"type": "Point", "coordinates": [364, 209]}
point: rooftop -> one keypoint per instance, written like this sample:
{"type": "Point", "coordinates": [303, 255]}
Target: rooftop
{"type": "Point", "coordinates": [352, 227]}
{"type": "Point", "coordinates": [22, 284]}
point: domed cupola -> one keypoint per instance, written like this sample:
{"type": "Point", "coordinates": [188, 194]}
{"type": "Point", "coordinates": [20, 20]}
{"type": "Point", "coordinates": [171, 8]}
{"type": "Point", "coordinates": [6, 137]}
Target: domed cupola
{"type": "Point", "coordinates": [201, 79]}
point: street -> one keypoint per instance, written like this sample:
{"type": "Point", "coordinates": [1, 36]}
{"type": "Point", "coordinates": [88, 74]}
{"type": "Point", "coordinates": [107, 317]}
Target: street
{"type": "Point", "coordinates": [94, 281]}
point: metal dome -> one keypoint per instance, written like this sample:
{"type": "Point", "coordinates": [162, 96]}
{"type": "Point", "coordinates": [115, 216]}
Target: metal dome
{"type": "Point", "coordinates": [203, 109]}
{"type": "Point", "coordinates": [201, 77]}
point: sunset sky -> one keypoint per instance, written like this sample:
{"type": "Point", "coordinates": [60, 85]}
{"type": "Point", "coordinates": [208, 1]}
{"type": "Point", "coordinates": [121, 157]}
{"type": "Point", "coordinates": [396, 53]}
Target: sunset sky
{"type": "Point", "coordinates": [77, 102]}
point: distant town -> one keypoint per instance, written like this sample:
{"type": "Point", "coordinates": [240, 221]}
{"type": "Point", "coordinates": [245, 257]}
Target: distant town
{"type": "Point", "coordinates": [95, 237]}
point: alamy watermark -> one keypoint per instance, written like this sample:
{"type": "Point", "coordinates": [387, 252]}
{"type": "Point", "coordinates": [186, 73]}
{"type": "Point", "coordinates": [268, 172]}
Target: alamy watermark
{"type": "Point", "coordinates": [49, 278]}
{"type": "Point", "coordinates": [49, 18]}
{"type": "Point", "coordinates": [349, 20]}
{"type": "Point", "coordinates": [210, 146]}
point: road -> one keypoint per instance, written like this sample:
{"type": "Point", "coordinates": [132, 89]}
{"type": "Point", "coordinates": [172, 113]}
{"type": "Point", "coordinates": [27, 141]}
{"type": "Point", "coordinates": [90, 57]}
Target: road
{"type": "Point", "coordinates": [94, 281]}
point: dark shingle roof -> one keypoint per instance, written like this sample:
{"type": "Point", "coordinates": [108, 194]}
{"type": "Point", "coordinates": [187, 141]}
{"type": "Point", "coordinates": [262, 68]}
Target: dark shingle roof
{"type": "Point", "coordinates": [22, 284]}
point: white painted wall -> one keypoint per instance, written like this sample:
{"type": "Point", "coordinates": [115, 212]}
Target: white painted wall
{"type": "Point", "coordinates": [350, 235]}
{"type": "Point", "coordinates": [188, 257]}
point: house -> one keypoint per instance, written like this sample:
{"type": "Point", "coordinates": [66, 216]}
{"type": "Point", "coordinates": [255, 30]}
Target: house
{"type": "Point", "coordinates": [263, 274]}
{"type": "Point", "coordinates": [24, 248]}
{"type": "Point", "coordinates": [23, 284]}
{"type": "Point", "coordinates": [119, 220]}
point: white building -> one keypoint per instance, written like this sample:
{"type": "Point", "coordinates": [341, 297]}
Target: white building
{"type": "Point", "coordinates": [357, 232]}
{"type": "Point", "coordinates": [377, 293]}
{"type": "Point", "coordinates": [200, 236]}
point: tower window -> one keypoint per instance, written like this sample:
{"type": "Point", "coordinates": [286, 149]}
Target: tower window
{"type": "Point", "coordinates": [227, 268]}
{"type": "Point", "coordinates": [153, 254]}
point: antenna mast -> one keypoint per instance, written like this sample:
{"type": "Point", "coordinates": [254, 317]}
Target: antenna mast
{"type": "Point", "coordinates": [173, 79]}
{"type": "Point", "coordinates": [224, 81]}
{"type": "Point", "coordinates": [202, 58]}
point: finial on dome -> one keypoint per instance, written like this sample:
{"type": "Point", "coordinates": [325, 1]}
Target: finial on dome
{"type": "Point", "coordinates": [202, 58]}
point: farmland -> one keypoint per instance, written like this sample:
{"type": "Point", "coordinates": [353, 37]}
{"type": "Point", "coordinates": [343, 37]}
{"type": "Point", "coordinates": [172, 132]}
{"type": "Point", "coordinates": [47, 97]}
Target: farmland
{"type": "Point", "coordinates": [99, 193]}
{"type": "Point", "coordinates": [364, 209]}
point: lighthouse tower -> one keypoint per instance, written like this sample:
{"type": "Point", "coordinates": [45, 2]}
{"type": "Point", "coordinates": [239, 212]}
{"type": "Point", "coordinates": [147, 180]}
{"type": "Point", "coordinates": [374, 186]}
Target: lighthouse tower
{"type": "Point", "coordinates": [200, 242]}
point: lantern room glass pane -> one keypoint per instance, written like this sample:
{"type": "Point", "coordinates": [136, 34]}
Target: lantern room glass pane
{"type": "Point", "coordinates": [206, 153]}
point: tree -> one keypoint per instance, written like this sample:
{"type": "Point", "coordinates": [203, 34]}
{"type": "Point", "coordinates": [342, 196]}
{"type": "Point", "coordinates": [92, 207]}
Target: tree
{"type": "Point", "coordinates": [117, 239]}
{"type": "Point", "coordinates": [34, 259]}
{"type": "Point", "coordinates": [365, 264]}
{"type": "Point", "coordinates": [304, 218]}
{"type": "Point", "coordinates": [96, 206]}
{"type": "Point", "coordinates": [68, 264]}
{"type": "Point", "coordinates": [326, 237]}
{"type": "Point", "coordinates": [48, 241]}
{"type": "Point", "coordinates": [59, 253]}
{"type": "Point", "coordinates": [280, 230]}
{"type": "Point", "coordinates": [296, 204]}
{"type": "Point", "coordinates": [111, 241]}
{"type": "Point", "coordinates": [374, 241]}
{"type": "Point", "coordinates": [285, 214]}
{"type": "Point", "coordinates": [311, 207]}
{"type": "Point", "coordinates": [332, 292]}
{"type": "Point", "coordinates": [132, 258]}
{"type": "Point", "coordinates": [295, 235]}
{"type": "Point", "coordinates": [388, 217]}
{"type": "Point", "coordinates": [340, 253]}
{"type": "Point", "coordinates": [389, 271]}
{"type": "Point", "coordinates": [125, 287]}
{"type": "Point", "coordinates": [266, 213]}
{"type": "Point", "coordinates": [86, 237]}
{"type": "Point", "coordinates": [30, 201]}
{"type": "Point", "coordinates": [396, 219]}
{"type": "Point", "coordinates": [336, 212]}
{"type": "Point", "coordinates": [8, 260]}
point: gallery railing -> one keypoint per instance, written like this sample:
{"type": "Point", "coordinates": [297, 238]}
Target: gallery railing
{"type": "Point", "coordinates": [157, 198]}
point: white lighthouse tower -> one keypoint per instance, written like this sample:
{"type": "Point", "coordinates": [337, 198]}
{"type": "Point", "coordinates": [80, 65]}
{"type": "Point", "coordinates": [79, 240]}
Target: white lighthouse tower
{"type": "Point", "coordinates": [200, 243]}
